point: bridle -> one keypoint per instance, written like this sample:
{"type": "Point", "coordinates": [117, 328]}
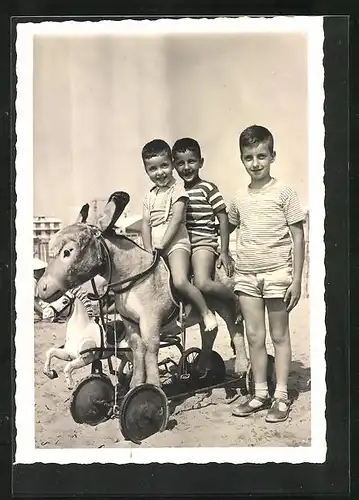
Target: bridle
{"type": "Point", "coordinates": [71, 298]}
{"type": "Point", "coordinates": [130, 281]}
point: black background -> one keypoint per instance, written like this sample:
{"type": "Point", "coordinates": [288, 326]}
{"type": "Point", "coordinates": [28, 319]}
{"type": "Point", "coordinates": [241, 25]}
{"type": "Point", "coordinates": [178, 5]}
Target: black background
{"type": "Point", "coordinates": [329, 479]}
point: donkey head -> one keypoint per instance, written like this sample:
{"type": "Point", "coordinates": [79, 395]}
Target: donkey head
{"type": "Point", "coordinates": [75, 251]}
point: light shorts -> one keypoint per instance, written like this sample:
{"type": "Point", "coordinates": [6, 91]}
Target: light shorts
{"type": "Point", "coordinates": [207, 242]}
{"type": "Point", "coordinates": [266, 285]}
{"type": "Point", "coordinates": [180, 240]}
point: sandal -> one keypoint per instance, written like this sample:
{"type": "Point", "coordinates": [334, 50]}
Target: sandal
{"type": "Point", "coordinates": [279, 411]}
{"type": "Point", "coordinates": [245, 409]}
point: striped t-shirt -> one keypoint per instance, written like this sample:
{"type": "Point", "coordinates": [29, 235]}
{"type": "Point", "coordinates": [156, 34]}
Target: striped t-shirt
{"type": "Point", "coordinates": [263, 217]}
{"type": "Point", "coordinates": [205, 201]}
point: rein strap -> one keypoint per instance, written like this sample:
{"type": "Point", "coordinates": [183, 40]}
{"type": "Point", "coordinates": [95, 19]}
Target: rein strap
{"type": "Point", "coordinates": [131, 280]}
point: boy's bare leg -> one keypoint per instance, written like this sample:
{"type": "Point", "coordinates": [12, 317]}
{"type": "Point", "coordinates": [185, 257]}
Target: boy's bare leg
{"type": "Point", "coordinates": [254, 319]}
{"type": "Point", "coordinates": [203, 262]}
{"type": "Point", "coordinates": [279, 330]}
{"type": "Point", "coordinates": [179, 264]}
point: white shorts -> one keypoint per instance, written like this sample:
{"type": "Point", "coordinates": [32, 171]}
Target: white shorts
{"type": "Point", "coordinates": [180, 240]}
{"type": "Point", "coordinates": [266, 285]}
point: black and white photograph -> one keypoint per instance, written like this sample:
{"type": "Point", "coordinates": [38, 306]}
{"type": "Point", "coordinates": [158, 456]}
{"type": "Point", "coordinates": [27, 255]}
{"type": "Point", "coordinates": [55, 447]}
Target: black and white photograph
{"type": "Point", "coordinates": [169, 241]}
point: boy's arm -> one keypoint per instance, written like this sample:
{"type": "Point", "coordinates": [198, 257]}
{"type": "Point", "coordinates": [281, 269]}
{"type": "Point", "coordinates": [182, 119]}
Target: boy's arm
{"type": "Point", "coordinates": [224, 258]}
{"type": "Point", "coordinates": [293, 293]}
{"type": "Point", "coordinates": [178, 211]}
{"type": "Point", "coordinates": [146, 231]}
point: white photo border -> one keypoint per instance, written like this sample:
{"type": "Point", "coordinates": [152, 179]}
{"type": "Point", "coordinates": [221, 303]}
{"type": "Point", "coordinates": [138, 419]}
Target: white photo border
{"type": "Point", "coordinates": [26, 453]}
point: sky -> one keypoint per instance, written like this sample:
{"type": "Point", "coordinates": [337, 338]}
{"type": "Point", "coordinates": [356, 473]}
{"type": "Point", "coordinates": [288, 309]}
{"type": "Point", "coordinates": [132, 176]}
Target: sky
{"type": "Point", "coordinates": [99, 99]}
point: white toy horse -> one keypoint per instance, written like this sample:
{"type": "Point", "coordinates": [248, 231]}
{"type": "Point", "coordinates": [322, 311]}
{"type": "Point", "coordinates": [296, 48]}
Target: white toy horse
{"type": "Point", "coordinates": [83, 333]}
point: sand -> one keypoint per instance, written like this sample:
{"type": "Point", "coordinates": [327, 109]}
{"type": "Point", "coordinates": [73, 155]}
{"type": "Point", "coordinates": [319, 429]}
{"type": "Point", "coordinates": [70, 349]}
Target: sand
{"type": "Point", "coordinates": [200, 421]}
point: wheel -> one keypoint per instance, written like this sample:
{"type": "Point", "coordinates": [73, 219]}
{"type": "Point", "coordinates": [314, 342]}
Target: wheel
{"type": "Point", "coordinates": [144, 412]}
{"type": "Point", "coordinates": [92, 400]}
{"type": "Point", "coordinates": [270, 377]}
{"type": "Point", "coordinates": [189, 362]}
{"type": "Point", "coordinates": [217, 372]}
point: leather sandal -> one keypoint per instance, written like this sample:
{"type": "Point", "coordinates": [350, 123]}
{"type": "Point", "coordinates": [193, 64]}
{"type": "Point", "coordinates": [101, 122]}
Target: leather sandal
{"type": "Point", "coordinates": [279, 411]}
{"type": "Point", "coordinates": [245, 409]}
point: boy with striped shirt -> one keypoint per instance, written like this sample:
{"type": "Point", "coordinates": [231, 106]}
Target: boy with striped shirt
{"type": "Point", "coordinates": [205, 204]}
{"type": "Point", "coordinates": [268, 268]}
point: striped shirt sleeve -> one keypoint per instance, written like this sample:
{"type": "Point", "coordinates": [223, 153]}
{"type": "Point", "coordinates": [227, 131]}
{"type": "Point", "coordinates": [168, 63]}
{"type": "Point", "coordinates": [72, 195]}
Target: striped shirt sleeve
{"type": "Point", "coordinates": [233, 214]}
{"type": "Point", "coordinates": [291, 205]}
{"type": "Point", "coordinates": [214, 197]}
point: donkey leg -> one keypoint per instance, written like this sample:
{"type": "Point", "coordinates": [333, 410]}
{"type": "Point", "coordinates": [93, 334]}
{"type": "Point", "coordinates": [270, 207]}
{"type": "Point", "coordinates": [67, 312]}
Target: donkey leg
{"type": "Point", "coordinates": [54, 352]}
{"type": "Point", "coordinates": [150, 333]}
{"type": "Point", "coordinates": [138, 354]}
{"type": "Point", "coordinates": [236, 332]}
{"type": "Point", "coordinates": [241, 361]}
{"type": "Point", "coordinates": [208, 338]}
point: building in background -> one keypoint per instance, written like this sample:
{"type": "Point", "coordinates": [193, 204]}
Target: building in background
{"type": "Point", "coordinates": [130, 225]}
{"type": "Point", "coordinates": [43, 230]}
{"type": "Point", "coordinates": [96, 209]}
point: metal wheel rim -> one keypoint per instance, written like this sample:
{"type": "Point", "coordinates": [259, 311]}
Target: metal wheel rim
{"type": "Point", "coordinates": [126, 407]}
{"type": "Point", "coordinates": [78, 415]}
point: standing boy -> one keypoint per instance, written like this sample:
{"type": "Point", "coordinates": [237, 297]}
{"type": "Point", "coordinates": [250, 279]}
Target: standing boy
{"type": "Point", "coordinates": [268, 270]}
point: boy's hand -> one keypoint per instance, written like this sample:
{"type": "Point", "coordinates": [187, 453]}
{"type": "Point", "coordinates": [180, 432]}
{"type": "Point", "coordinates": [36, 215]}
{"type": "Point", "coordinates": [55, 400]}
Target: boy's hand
{"type": "Point", "coordinates": [292, 295]}
{"type": "Point", "coordinates": [228, 263]}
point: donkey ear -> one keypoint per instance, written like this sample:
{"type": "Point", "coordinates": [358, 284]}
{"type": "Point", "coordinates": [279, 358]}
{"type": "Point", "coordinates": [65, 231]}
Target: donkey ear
{"type": "Point", "coordinates": [113, 209]}
{"type": "Point", "coordinates": [84, 212]}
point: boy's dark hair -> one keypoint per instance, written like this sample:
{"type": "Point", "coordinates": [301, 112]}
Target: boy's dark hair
{"type": "Point", "coordinates": [254, 135]}
{"type": "Point", "coordinates": [187, 144]}
{"type": "Point", "coordinates": [155, 148]}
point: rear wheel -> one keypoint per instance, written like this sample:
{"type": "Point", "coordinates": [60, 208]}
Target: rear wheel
{"type": "Point", "coordinates": [187, 365]}
{"type": "Point", "coordinates": [271, 380]}
{"type": "Point", "coordinates": [188, 368]}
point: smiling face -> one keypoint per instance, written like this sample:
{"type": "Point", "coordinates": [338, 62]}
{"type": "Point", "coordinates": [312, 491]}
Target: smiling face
{"type": "Point", "coordinates": [257, 160]}
{"type": "Point", "coordinates": [159, 169]}
{"type": "Point", "coordinates": [188, 164]}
